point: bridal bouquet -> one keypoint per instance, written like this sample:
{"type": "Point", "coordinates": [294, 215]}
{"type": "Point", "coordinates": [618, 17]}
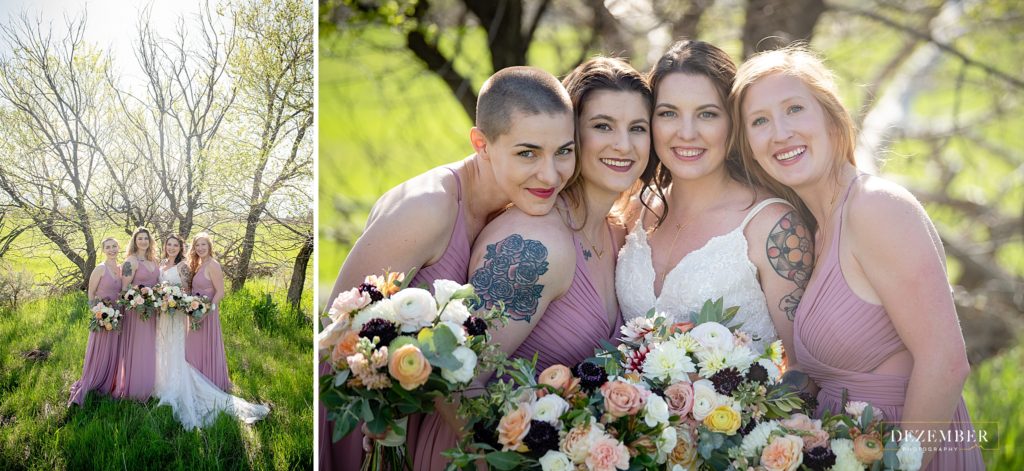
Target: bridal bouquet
{"type": "Point", "coordinates": [172, 298]}
{"type": "Point", "coordinates": [710, 374]}
{"type": "Point", "coordinates": [393, 350]}
{"type": "Point", "coordinates": [569, 418]}
{"type": "Point", "coordinates": [195, 307]}
{"type": "Point", "coordinates": [857, 440]}
{"type": "Point", "coordinates": [143, 299]}
{"type": "Point", "coordinates": [105, 316]}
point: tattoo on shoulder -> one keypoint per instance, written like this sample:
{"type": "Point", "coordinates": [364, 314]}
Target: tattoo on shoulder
{"type": "Point", "coordinates": [126, 269]}
{"type": "Point", "coordinates": [510, 274]}
{"type": "Point", "coordinates": [791, 254]}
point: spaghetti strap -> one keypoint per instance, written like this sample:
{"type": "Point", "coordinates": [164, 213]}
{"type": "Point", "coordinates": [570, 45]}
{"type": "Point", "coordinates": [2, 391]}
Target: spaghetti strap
{"type": "Point", "coordinates": [842, 212]}
{"type": "Point", "coordinates": [759, 207]}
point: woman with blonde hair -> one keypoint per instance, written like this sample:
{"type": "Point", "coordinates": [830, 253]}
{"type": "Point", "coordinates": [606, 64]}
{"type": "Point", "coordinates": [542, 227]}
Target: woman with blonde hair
{"type": "Point", "coordinates": [877, 321]}
{"type": "Point", "coordinates": [138, 336]}
{"type": "Point", "coordinates": [102, 352]}
{"type": "Point", "coordinates": [204, 347]}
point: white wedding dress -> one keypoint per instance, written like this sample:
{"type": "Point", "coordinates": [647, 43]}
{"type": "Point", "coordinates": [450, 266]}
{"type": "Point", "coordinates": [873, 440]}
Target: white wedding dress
{"type": "Point", "coordinates": [719, 269]}
{"type": "Point", "coordinates": [195, 400]}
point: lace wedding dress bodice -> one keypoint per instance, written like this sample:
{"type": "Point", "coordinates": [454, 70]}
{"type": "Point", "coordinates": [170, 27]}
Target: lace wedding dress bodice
{"type": "Point", "coordinates": [719, 269]}
{"type": "Point", "coordinates": [195, 400]}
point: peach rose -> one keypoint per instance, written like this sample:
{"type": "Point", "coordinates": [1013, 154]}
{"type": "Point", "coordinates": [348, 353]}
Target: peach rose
{"type": "Point", "coordinates": [868, 448]}
{"type": "Point", "coordinates": [345, 347]}
{"type": "Point", "coordinates": [576, 443]}
{"type": "Point", "coordinates": [607, 454]}
{"type": "Point", "coordinates": [783, 454]}
{"type": "Point", "coordinates": [621, 398]}
{"type": "Point", "coordinates": [680, 398]}
{"type": "Point", "coordinates": [556, 376]}
{"type": "Point", "coordinates": [513, 427]}
{"type": "Point", "coordinates": [685, 452]}
{"type": "Point", "coordinates": [815, 439]}
{"type": "Point", "coordinates": [409, 367]}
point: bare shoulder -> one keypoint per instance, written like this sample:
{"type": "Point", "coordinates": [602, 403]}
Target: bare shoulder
{"type": "Point", "coordinates": [775, 217]}
{"type": "Point", "coordinates": [544, 239]}
{"type": "Point", "coordinates": [427, 202]}
{"type": "Point", "coordinates": [881, 208]}
{"type": "Point", "coordinates": [214, 267]}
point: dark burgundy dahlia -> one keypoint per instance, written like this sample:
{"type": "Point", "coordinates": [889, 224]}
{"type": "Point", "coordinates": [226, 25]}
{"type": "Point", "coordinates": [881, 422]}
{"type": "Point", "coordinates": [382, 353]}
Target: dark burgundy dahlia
{"type": "Point", "coordinates": [475, 326]}
{"type": "Point", "coordinates": [819, 458]}
{"type": "Point", "coordinates": [757, 374]}
{"type": "Point", "coordinates": [727, 380]}
{"type": "Point", "coordinates": [541, 438]}
{"type": "Point", "coordinates": [591, 375]}
{"type": "Point", "coordinates": [370, 289]}
{"type": "Point", "coordinates": [377, 327]}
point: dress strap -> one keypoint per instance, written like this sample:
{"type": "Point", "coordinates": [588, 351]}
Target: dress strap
{"type": "Point", "coordinates": [842, 209]}
{"type": "Point", "coordinates": [458, 182]}
{"type": "Point", "coordinates": [759, 207]}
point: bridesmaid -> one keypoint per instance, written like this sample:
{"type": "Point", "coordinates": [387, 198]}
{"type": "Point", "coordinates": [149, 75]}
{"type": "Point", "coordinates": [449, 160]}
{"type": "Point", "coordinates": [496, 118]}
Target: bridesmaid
{"type": "Point", "coordinates": [523, 132]}
{"type": "Point", "coordinates": [563, 302]}
{"type": "Point", "coordinates": [101, 354]}
{"type": "Point", "coordinates": [138, 336]}
{"type": "Point", "coordinates": [878, 319]}
{"type": "Point", "coordinates": [204, 348]}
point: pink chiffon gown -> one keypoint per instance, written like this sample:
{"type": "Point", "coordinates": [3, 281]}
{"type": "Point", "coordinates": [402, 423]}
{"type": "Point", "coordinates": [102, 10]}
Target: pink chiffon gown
{"type": "Point", "coordinates": [572, 326]}
{"type": "Point", "coordinates": [453, 265]}
{"type": "Point", "coordinates": [102, 352]}
{"type": "Point", "coordinates": [137, 373]}
{"type": "Point", "coordinates": [840, 339]}
{"type": "Point", "coordinates": [204, 347]}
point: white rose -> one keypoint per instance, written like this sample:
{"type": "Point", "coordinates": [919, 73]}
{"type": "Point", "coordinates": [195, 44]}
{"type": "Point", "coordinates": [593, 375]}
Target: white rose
{"type": "Point", "coordinates": [443, 290]}
{"type": "Point", "coordinates": [383, 309]}
{"type": "Point", "coordinates": [457, 331]}
{"type": "Point", "coordinates": [713, 336]}
{"type": "Point", "coordinates": [668, 362]}
{"type": "Point", "coordinates": [656, 411]}
{"type": "Point", "coordinates": [705, 399]}
{"type": "Point", "coordinates": [456, 312]}
{"type": "Point", "coordinates": [549, 409]}
{"type": "Point", "coordinates": [464, 374]}
{"type": "Point", "coordinates": [910, 453]}
{"type": "Point", "coordinates": [666, 442]}
{"type": "Point", "coordinates": [555, 461]}
{"type": "Point", "coordinates": [414, 309]}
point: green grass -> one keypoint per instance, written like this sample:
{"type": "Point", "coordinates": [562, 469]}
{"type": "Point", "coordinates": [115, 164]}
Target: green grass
{"type": "Point", "coordinates": [269, 365]}
{"type": "Point", "coordinates": [995, 397]}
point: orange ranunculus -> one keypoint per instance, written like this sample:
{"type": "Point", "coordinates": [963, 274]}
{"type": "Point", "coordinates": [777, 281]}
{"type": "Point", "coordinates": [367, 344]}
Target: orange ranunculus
{"type": "Point", "coordinates": [409, 367]}
{"type": "Point", "coordinates": [556, 376]}
{"type": "Point", "coordinates": [868, 448]}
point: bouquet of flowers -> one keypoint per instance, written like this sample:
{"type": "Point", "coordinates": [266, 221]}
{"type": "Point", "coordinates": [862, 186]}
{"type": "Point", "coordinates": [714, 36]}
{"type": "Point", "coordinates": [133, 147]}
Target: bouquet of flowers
{"type": "Point", "coordinates": [105, 316]}
{"type": "Point", "coordinates": [393, 350]}
{"type": "Point", "coordinates": [143, 299]}
{"type": "Point", "coordinates": [568, 418]}
{"type": "Point", "coordinates": [195, 307]}
{"type": "Point", "coordinates": [857, 440]}
{"type": "Point", "coordinates": [172, 298]}
{"type": "Point", "coordinates": [709, 373]}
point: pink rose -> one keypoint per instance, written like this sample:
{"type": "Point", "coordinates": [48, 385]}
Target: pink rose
{"type": "Point", "coordinates": [817, 437]}
{"type": "Point", "coordinates": [679, 397]}
{"type": "Point", "coordinates": [347, 302]}
{"type": "Point", "coordinates": [783, 454]}
{"type": "Point", "coordinates": [607, 454]}
{"type": "Point", "coordinates": [621, 398]}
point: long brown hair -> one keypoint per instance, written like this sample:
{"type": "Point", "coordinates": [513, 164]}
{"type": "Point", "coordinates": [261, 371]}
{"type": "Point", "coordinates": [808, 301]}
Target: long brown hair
{"type": "Point", "coordinates": [133, 248]}
{"type": "Point", "coordinates": [181, 248]}
{"type": "Point", "coordinates": [193, 257]}
{"type": "Point", "coordinates": [698, 58]}
{"type": "Point", "coordinates": [798, 62]}
{"type": "Point", "coordinates": [599, 73]}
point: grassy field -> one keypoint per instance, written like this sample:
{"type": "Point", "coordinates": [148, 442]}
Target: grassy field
{"type": "Point", "coordinates": [269, 358]}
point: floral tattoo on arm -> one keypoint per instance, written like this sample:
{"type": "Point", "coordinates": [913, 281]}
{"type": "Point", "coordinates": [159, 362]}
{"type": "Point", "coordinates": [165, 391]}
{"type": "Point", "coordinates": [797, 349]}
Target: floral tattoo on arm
{"type": "Point", "coordinates": [790, 253]}
{"type": "Point", "coordinates": [510, 274]}
{"type": "Point", "coordinates": [126, 268]}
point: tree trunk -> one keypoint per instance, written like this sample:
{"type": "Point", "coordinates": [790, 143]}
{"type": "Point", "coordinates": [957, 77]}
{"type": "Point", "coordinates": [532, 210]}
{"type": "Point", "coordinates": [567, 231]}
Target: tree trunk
{"type": "Point", "coordinates": [771, 24]}
{"type": "Point", "coordinates": [241, 273]}
{"type": "Point", "coordinates": [299, 272]}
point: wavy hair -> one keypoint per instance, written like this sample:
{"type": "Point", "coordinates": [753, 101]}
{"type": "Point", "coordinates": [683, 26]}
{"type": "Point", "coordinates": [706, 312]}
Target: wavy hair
{"type": "Point", "coordinates": [133, 248]}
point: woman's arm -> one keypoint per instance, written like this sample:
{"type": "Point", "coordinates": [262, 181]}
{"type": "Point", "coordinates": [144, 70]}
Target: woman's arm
{"type": "Point", "coordinates": [782, 249]}
{"type": "Point", "coordinates": [128, 271]}
{"type": "Point", "coordinates": [186, 276]}
{"type": "Point", "coordinates": [94, 283]}
{"type": "Point", "coordinates": [894, 242]}
{"type": "Point", "coordinates": [217, 278]}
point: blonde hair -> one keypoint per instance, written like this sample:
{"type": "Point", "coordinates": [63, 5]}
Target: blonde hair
{"type": "Point", "coordinates": [132, 248]}
{"type": "Point", "coordinates": [193, 257]}
{"type": "Point", "coordinates": [798, 62]}
{"type": "Point", "coordinates": [105, 240]}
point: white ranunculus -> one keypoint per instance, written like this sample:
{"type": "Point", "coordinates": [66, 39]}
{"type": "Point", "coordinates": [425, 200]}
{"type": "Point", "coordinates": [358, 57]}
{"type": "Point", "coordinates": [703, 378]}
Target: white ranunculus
{"type": "Point", "coordinates": [757, 439]}
{"type": "Point", "coordinates": [457, 330]}
{"type": "Point", "coordinates": [846, 460]}
{"type": "Point", "coordinates": [455, 311]}
{"type": "Point", "coordinates": [414, 309]}
{"type": "Point", "coordinates": [383, 309]}
{"type": "Point", "coordinates": [910, 453]}
{"type": "Point", "coordinates": [713, 336]}
{"type": "Point", "coordinates": [555, 461]}
{"type": "Point", "coordinates": [443, 290]}
{"type": "Point", "coordinates": [668, 362]}
{"type": "Point", "coordinates": [550, 409]}
{"type": "Point", "coordinates": [705, 399]}
{"type": "Point", "coordinates": [666, 442]}
{"type": "Point", "coordinates": [464, 374]}
{"type": "Point", "coordinates": [656, 411]}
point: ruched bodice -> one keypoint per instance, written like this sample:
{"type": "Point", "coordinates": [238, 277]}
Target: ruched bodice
{"type": "Point", "coordinates": [109, 286]}
{"type": "Point", "coordinates": [146, 276]}
{"type": "Point", "coordinates": [201, 284]}
{"type": "Point", "coordinates": [719, 269]}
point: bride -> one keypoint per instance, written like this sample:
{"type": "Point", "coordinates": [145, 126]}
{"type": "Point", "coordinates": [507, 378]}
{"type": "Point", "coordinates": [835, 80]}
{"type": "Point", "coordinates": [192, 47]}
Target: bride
{"type": "Point", "coordinates": [195, 400]}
